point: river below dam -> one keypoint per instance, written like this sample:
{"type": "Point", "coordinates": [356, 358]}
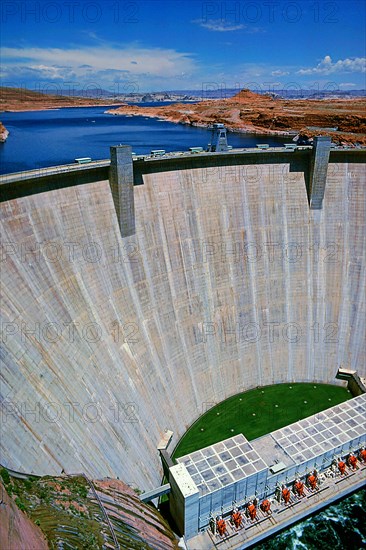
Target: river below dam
{"type": "Point", "coordinates": [340, 526]}
{"type": "Point", "coordinates": [39, 139]}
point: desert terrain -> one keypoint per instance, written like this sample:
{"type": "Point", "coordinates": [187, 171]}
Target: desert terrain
{"type": "Point", "coordinates": [247, 112]}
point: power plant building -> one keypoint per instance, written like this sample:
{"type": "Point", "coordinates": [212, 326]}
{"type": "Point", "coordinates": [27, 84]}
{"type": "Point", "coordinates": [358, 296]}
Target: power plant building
{"type": "Point", "coordinates": [235, 471]}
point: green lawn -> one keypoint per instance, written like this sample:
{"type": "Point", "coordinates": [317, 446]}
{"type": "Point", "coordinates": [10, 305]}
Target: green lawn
{"type": "Point", "coordinates": [258, 412]}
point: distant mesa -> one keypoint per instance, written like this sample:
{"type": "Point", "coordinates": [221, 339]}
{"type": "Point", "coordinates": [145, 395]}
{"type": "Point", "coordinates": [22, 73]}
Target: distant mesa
{"type": "Point", "coordinates": [246, 95]}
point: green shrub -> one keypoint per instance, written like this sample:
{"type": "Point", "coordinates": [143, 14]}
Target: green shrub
{"type": "Point", "coordinates": [28, 484]}
{"type": "Point", "coordinates": [83, 492]}
{"type": "Point", "coordinates": [88, 541]}
{"type": "Point", "coordinates": [43, 493]}
{"type": "Point", "coordinates": [5, 475]}
{"type": "Point", "coordinates": [16, 490]}
{"type": "Point", "coordinates": [20, 504]}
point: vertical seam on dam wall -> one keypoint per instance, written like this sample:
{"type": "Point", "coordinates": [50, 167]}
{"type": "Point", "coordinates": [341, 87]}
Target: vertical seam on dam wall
{"type": "Point", "coordinates": [121, 183]}
{"type": "Point", "coordinates": [318, 171]}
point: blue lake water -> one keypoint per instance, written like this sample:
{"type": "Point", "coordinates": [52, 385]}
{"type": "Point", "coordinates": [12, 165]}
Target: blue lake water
{"type": "Point", "coordinates": [47, 138]}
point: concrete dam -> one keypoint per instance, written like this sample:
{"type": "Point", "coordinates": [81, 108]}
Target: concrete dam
{"type": "Point", "coordinates": [225, 280]}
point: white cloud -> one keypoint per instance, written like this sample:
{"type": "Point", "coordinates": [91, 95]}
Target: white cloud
{"type": "Point", "coordinates": [347, 85]}
{"type": "Point", "coordinates": [279, 73]}
{"type": "Point", "coordinates": [326, 66]}
{"type": "Point", "coordinates": [221, 25]}
{"type": "Point", "coordinates": [93, 61]}
{"type": "Point", "coordinates": [52, 72]}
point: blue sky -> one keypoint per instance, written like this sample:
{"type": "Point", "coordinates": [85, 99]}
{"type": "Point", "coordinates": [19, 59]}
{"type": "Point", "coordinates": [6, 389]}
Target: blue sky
{"type": "Point", "coordinates": [159, 45]}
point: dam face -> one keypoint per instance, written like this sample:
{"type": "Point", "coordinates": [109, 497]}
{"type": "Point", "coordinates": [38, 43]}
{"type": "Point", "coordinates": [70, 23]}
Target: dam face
{"type": "Point", "coordinates": [230, 282]}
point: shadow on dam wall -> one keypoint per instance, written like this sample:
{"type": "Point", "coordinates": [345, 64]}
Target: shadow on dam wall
{"type": "Point", "coordinates": [230, 282]}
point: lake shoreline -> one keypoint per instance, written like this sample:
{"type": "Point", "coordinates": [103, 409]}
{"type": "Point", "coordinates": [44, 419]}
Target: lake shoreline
{"type": "Point", "coordinates": [39, 109]}
{"type": "Point", "coordinates": [243, 131]}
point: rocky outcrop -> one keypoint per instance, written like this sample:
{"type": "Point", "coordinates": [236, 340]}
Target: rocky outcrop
{"type": "Point", "coordinates": [74, 512]}
{"type": "Point", "coordinates": [16, 529]}
{"type": "Point", "coordinates": [3, 133]}
{"type": "Point", "coordinates": [124, 507]}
